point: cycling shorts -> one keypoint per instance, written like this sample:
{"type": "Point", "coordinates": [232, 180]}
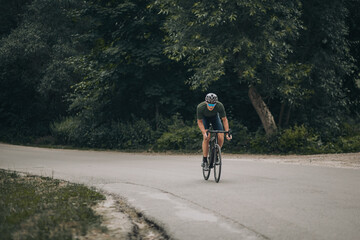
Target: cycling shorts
{"type": "Point", "coordinates": [215, 122]}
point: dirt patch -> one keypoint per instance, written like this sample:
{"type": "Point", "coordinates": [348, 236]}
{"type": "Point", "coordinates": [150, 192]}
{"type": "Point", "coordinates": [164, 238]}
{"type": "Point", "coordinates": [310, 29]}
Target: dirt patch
{"type": "Point", "coordinates": [346, 160]}
{"type": "Point", "coordinates": [121, 221]}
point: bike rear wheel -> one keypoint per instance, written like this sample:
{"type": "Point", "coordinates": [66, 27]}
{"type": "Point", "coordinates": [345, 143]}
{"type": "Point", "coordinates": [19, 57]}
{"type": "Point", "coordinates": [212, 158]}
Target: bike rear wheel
{"type": "Point", "coordinates": [217, 163]}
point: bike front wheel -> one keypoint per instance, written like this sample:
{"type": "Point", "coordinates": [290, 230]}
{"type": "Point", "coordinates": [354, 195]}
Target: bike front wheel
{"type": "Point", "coordinates": [206, 172]}
{"type": "Point", "coordinates": [217, 163]}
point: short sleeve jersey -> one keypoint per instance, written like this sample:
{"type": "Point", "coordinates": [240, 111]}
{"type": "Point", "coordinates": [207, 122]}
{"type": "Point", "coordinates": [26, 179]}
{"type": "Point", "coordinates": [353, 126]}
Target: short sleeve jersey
{"type": "Point", "coordinates": [202, 111]}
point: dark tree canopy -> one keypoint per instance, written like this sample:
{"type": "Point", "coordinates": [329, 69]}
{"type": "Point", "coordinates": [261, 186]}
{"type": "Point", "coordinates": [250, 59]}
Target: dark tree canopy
{"type": "Point", "coordinates": [98, 64]}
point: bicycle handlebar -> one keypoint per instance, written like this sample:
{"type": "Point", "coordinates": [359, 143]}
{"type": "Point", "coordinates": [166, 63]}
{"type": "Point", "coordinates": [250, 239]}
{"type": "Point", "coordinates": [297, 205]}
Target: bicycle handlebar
{"type": "Point", "coordinates": [219, 131]}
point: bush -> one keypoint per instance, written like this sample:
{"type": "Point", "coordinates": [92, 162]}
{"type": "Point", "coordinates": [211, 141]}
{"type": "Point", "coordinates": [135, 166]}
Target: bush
{"type": "Point", "coordinates": [261, 143]}
{"type": "Point", "coordinates": [297, 139]}
{"type": "Point", "coordinates": [241, 138]}
{"type": "Point", "coordinates": [118, 135]}
{"type": "Point", "coordinates": [133, 135]}
{"type": "Point", "coordinates": [185, 138]}
{"type": "Point", "coordinates": [180, 136]}
{"type": "Point", "coordinates": [347, 144]}
{"type": "Point", "coordinates": [66, 131]}
{"type": "Point", "coordinates": [175, 134]}
{"type": "Point", "coordinates": [349, 141]}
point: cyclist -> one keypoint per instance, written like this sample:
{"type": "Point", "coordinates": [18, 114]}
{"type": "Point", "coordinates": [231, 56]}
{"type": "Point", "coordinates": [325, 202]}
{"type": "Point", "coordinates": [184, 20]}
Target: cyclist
{"type": "Point", "coordinates": [208, 112]}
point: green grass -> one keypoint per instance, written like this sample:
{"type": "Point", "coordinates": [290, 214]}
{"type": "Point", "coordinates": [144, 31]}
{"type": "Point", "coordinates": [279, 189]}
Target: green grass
{"type": "Point", "coordinates": [43, 208]}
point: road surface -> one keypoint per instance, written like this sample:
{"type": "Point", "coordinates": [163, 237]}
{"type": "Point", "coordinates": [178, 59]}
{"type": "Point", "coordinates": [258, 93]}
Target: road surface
{"type": "Point", "coordinates": [254, 199]}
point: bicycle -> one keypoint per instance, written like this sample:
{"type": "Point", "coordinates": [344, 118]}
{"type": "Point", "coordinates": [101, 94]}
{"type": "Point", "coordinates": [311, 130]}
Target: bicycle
{"type": "Point", "coordinates": [214, 156]}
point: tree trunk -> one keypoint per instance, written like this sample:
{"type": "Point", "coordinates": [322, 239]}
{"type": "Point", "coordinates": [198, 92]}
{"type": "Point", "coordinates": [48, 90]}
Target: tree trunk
{"type": "Point", "coordinates": [288, 116]}
{"type": "Point", "coordinates": [281, 115]}
{"type": "Point", "coordinates": [263, 111]}
{"type": "Point", "coordinates": [157, 115]}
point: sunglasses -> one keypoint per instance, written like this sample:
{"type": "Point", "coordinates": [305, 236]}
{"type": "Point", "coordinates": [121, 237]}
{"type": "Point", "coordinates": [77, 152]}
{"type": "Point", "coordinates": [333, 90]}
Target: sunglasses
{"type": "Point", "coordinates": [211, 105]}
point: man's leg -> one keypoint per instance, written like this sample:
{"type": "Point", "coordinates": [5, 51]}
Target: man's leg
{"type": "Point", "coordinates": [221, 139]}
{"type": "Point", "coordinates": [205, 146]}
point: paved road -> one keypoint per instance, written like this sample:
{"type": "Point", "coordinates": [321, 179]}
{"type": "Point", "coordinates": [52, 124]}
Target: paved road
{"type": "Point", "coordinates": [254, 200]}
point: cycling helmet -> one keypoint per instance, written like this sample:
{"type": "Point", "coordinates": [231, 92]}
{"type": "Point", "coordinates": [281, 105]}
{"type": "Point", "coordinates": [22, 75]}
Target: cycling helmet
{"type": "Point", "coordinates": [211, 98]}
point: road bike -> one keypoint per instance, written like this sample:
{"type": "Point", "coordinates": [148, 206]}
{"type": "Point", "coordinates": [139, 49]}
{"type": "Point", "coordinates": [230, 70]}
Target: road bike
{"type": "Point", "coordinates": [214, 156]}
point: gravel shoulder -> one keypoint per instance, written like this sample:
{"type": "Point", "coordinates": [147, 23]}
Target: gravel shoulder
{"type": "Point", "coordinates": [345, 160]}
{"type": "Point", "coordinates": [123, 222]}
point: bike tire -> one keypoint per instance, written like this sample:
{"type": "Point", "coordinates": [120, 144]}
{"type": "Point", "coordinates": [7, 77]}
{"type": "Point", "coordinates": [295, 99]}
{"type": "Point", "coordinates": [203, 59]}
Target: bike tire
{"type": "Point", "coordinates": [206, 173]}
{"type": "Point", "coordinates": [217, 163]}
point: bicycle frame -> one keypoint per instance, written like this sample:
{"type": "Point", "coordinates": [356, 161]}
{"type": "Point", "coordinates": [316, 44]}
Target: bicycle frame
{"type": "Point", "coordinates": [214, 160]}
{"type": "Point", "coordinates": [213, 141]}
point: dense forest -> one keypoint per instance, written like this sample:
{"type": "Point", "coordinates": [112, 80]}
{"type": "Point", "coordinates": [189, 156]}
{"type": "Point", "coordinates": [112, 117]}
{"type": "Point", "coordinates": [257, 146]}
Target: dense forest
{"type": "Point", "coordinates": [129, 74]}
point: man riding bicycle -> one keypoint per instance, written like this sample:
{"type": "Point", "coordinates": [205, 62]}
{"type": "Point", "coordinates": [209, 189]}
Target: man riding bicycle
{"type": "Point", "coordinates": [208, 112]}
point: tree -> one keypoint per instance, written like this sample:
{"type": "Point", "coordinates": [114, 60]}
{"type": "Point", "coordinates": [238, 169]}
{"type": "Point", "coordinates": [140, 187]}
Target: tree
{"type": "Point", "coordinates": [125, 75]}
{"type": "Point", "coordinates": [353, 82]}
{"type": "Point", "coordinates": [33, 77]}
{"type": "Point", "coordinates": [11, 14]}
{"type": "Point", "coordinates": [324, 45]}
{"type": "Point", "coordinates": [254, 39]}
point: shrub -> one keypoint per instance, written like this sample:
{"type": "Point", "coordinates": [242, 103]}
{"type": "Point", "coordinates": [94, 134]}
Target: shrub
{"type": "Point", "coordinates": [175, 134]}
{"type": "Point", "coordinates": [241, 138]}
{"type": "Point", "coordinates": [349, 141]}
{"type": "Point", "coordinates": [66, 131]}
{"type": "Point", "coordinates": [179, 136]}
{"type": "Point", "coordinates": [297, 139]}
{"type": "Point", "coordinates": [133, 135]}
{"type": "Point", "coordinates": [350, 129]}
{"type": "Point", "coordinates": [261, 143]}
{"type": "Point", "coordinates": [184, 138]}
{"type": "Point", "coordinates": [116, 135]}
{"type": "Point", "coordinates": [348, 144]}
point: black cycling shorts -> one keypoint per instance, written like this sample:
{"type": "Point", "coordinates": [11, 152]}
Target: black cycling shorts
{"type": "Point", "coordinates": [215, 122]}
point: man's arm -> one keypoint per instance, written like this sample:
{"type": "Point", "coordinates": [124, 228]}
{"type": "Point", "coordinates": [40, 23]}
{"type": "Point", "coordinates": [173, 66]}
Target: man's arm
{"type": "Point", "coordinates": [225, 123]}
{"type": "Point", "coordinates": [226, 127]}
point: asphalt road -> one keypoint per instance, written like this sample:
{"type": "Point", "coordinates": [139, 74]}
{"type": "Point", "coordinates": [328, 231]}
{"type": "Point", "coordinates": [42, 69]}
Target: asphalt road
{"type": "Point", "coordinates": [254, 199]}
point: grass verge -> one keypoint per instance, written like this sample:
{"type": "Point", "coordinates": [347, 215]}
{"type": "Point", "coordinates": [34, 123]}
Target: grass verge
{"type": "Point", "coordinates": [34, 207]}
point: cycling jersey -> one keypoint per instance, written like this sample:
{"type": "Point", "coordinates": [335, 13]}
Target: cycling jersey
{"type": "Point", "coordinates": [203, 112]}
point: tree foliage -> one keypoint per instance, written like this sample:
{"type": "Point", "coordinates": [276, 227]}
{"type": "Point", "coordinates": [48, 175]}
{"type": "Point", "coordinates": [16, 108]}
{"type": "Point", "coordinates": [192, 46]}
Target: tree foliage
{"type": "Point", "coordinates": [251, 38]}
{"type": "Point", "coordinates": [11, 15]}
{"type": "Point", "coordinates": [92, 69]}
{"type": "Point", "coordinates": [254, 39]}
{"type": "Point", "coordinates": [33, 76]}
{"type": "Point", "coordinates": [125, 75]}
{"type": "Point", "coordinates": [294, 52]}
{"type": "Point", "coordinates": [325, 46]}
